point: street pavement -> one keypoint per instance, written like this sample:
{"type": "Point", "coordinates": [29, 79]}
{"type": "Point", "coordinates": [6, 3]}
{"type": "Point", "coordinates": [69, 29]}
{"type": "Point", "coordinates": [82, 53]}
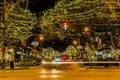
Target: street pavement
{"type": "Point", "coordinates": [70, 72]}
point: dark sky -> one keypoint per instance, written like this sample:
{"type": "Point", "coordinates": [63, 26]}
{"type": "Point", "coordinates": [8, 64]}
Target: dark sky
{"type": "Point", "coordinates": [40, 5]}
{"type": "Point", "coordinates": [37, 6]}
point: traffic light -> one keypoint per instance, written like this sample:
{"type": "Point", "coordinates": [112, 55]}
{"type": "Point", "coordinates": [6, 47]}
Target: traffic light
{"type": "Point", "coordinates": [1, 49]}
{"type": "Point", "coordinates": [65, 25]}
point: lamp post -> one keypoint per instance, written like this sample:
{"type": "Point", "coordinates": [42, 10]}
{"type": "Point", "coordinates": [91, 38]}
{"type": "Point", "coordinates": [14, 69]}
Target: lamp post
{"type": "Point", "coordinates": [41, 38]}
{"type": "Point", "coordinates": [3, 25]}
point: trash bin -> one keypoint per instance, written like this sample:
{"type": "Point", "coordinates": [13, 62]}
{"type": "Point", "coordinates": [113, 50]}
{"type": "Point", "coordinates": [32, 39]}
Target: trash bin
{"type": "Point", "coordinates": [11, 64]}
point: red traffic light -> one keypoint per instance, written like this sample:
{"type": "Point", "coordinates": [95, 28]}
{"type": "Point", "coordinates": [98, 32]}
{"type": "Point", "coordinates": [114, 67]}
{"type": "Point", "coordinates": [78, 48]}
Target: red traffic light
{"type": "Point", "coordinates": [1, 49]}
{"type": "Point", "coordinates": [65, 24]}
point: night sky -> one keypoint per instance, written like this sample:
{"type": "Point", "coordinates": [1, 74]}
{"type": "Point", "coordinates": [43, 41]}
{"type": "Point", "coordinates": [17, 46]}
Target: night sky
{"type": "Point", "coordinates": [37, 6]}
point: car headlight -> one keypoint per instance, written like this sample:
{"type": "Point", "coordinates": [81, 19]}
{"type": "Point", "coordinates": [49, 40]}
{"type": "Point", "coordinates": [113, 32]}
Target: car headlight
{"type": "Point", "coordinates": [43, 62]}
{"type": "Point", "coordinates": [53, 62]}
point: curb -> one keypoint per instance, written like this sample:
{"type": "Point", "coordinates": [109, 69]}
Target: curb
{"type": "Point", "coordinates": [21, 68]}
{"type": "Point", "coordinates": [103, 67]}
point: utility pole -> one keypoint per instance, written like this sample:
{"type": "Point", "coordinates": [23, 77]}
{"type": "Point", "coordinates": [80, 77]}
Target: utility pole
{"type": "Point", "coordinates": [3, 25]}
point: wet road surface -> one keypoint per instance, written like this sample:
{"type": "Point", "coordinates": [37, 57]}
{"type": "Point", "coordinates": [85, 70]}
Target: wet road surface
{"type": "Point", "coordinates": [71, 73]}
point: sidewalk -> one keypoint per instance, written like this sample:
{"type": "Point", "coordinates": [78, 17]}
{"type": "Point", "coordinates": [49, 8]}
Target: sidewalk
{"type": "Point", "coordinates": [20, 68]}
{"type": "Point", "coordinates": [102, 67]}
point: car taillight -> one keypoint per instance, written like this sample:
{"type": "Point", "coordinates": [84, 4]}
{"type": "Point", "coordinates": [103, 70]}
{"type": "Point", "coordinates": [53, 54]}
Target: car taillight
{"type": "Point", "coordinates": [61, 60]}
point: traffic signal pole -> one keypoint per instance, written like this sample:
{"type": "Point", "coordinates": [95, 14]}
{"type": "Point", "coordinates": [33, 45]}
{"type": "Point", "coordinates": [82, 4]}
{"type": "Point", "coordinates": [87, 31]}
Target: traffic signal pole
{"type": "Point", "coordinates": [3, 27]}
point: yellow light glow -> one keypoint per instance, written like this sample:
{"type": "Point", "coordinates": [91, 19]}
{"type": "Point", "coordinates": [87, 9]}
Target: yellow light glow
{"type": "Point", "coordinates": [86, 29]}
{"type": "Point", "coordinates": [41, 37]}
{"type": "Point", "coordinates": [75, 42]}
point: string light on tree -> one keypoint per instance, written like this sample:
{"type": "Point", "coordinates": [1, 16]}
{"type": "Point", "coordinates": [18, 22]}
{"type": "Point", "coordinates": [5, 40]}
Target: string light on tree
{"type": "Point", "coordinates": [81, 11]}
{"type": "Point", "coordinates": [19, 21]}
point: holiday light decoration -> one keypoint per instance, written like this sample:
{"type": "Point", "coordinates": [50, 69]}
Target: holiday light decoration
{"type": "Point", "coordinates": [81, 12]}
{"type": "Point", "coordinates": [19, 21]}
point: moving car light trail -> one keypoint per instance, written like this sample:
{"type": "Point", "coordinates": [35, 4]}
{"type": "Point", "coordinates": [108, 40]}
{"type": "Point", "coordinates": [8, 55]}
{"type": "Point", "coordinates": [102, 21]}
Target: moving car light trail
{"type": "Point", "coordinates": [101, 62]}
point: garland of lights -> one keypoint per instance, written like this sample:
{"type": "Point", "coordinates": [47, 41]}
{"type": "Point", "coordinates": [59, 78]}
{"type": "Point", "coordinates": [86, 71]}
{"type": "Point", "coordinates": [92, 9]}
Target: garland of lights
{"type": "Point", "coordinates": [80, 10]}
{"type": "Point", "coordinates": [20, 21]}
{"type": "Point", "coordinates": [79, 13]}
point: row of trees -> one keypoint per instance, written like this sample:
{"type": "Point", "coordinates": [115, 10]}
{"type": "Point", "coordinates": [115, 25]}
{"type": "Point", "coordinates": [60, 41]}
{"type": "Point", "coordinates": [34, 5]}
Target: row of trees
{"type": "Point", "coordinates": [78, 13]}
{"type": "Point", "coordinates": [18, 21]}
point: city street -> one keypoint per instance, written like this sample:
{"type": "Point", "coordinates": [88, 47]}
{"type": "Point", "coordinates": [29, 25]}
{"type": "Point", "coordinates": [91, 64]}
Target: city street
{"type": "Point", "coordinates": [59, 39]}
{"type": "Point", "coordinates": [72, 73]}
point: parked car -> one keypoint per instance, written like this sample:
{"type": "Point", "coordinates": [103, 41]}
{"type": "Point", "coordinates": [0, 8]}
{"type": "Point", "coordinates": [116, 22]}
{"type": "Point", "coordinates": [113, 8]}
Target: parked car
{"type": "Point", "coordinates": [29, 62]}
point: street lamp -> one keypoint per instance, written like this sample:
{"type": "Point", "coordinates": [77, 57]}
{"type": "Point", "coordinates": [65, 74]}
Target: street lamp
{"type": "Point", "coordinates": [86, 29]}
{"type": "Point", "coordinates": [41, 38]}
{"type": "Point", "coordinates": [75, 42]}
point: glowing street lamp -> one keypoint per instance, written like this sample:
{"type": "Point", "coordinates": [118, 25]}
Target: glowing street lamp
{"type": "Point", "coordinates": [86, 29]}
{"type": "Point", "coordinates": [41, 38]}
{"type": "Point", "coordinates": [75, 42]}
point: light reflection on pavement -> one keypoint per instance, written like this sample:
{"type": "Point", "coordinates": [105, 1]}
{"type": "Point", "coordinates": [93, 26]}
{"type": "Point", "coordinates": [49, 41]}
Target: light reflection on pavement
{"type": "Point", "coordinates": [54, 73]}
{"type": "Point", "coordinates": [60, 74]}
